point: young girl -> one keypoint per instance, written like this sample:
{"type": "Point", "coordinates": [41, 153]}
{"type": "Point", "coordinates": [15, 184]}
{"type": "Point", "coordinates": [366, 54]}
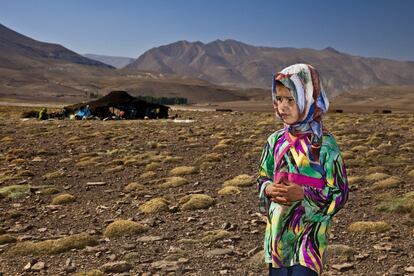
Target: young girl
{"type": "Point", "coordinates": [302, 179]}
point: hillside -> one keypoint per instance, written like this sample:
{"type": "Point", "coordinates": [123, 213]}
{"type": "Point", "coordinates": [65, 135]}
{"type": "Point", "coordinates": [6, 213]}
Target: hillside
{"type": "Point", "coordinates": [231, 62]}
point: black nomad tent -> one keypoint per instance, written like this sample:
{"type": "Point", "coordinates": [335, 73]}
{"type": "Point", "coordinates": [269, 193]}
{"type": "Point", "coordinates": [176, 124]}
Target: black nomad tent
{"type": "Point", "coordinates": [122, 104]}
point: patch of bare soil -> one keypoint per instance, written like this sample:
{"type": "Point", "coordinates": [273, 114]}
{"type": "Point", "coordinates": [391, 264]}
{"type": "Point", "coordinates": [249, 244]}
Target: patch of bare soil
{"type": "Point", "coordinates": [143, 196]}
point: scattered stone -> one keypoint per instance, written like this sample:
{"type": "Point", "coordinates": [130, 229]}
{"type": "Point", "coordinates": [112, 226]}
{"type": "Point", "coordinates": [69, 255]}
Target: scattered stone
{"type": "Point", "coordinates": [38, 266]}
{"type": "Point", "coordinates": [409, 269]}
{"type": "Point", "coordinates": [219, 251]}
{"type": "Point", "coordinates": [99, 183]}
{"type": "Point", "coordinates": [343, 267]}
{"type": "Point", "coordinates": [116, 267]}
{"type": "Point", "coordinates": [396, 270]}
{"type": "Point", "coordinates": [150, 238]}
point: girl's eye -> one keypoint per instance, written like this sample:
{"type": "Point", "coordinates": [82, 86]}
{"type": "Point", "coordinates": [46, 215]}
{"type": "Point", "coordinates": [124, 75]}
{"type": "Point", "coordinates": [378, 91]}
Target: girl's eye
{"type": "Point", "coordinates": [291, 100]}
{"type": "Point", "coordinates": [279, 99]}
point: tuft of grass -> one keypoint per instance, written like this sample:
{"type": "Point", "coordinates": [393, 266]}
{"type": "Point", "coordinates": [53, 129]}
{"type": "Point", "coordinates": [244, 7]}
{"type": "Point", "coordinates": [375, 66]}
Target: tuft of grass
{"type": "Point", "coordinates": [377, 176]}
{"type": "Point", "coordinates": [124, 228]}
{"type": "Point", "coordinates": [152, 166]}
{"type": "Point", "coordinates": [183, 170]}
{"type": "Point", "coordinates": [212, 157]}
{"type": "Point", "coordinates": [340, 250]}
{"type": "Point", "coordinates": [49, 191]}
{"type": "Point", "coordinates": [54, 174]}
{"type": "Point", "coordinates": [14, 191]}
{"type": "Point", "coordinates": [114, 169]}
{"type": "Point", "coordinates": [360, 148]}
{"type": "Point", "coordinates": [134, 186]}
{"type": "Point", "coordinates": [149, 174]}
{"type": "Point", "coordinates": [214, 235]}
{"type": "Point", "coordinates": [376, 169]}
{"type": "Point", "coordinates": [172, 159]}
{"type": "Point", "coordinates": [49, 247]}
{"type": "Point", "coordinates": [369, 226]}
{"type": "Point", "coordinates": [174, 181]}
{"type": "Point", "coordinates": [155, 205]}
{"type": "Point", "coordinates": [63, 199]}
{"type": "Point", "coordinates": [229, 190]}
{"type": "Point", "coordinates": [7, 239]}
{"type": "Point", "coordinates": [400, 205]}
{"type": "Point", "coordinates": [242, 180]}
{"type": "Point", "coordinates": [388, 183]}
{"type": "Point", "coordinates": [196, 201]}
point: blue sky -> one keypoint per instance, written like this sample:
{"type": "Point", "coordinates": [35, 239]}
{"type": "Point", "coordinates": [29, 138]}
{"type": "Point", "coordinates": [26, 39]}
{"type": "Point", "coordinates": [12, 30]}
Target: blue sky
{"type": "Point", "coordinates": [374, 28]}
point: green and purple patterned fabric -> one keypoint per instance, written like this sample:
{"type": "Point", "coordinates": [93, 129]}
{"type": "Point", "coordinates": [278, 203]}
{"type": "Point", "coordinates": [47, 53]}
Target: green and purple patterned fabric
{"type": "Point", "coordinates": [298, 234]}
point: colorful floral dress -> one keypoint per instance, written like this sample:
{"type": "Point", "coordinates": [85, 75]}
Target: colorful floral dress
{"type": "Point", "coordinates": [298, 234]}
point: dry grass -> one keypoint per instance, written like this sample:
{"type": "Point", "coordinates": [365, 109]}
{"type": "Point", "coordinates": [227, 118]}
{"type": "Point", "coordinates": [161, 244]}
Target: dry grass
{"type": "Point", "coordinates": [124, 228]}
{"type": "Point", "coordinates": [7, 239]}
{"type": "Point", "coordinates": [369, 226]}
{"type": "Point", "coordinates": [377, 176]}
{"type": "Point", "coordinates": [149, 174]}
{"type": "Point", "coordinates": [14, 191]}
{"type": "Point", "coordinates": [242, 180]}
{"type": "Point", "coordinates": [183, 170]}
{"type": "Point", "coordinates": [196, 201]}
{"type": "Point", "coordinates": [115, 169]}
{"type": "Point", "coordinates": [63, 199]}
{"type": "Point", "coordinates": [400, 205]}
{"type": "Point", "coordinates": [214, 235]}
{"type": "Point", "coordinates": [54, 174]}
{"type": "Point", "coordinates": [155, 205]}
{"type": "Point", "coordinates": [134, 186]}
{"type": "Point", "coordinates": [388, 183]}
{"type": "Point", "coordinates": [152, 166]}
{"type": "Point", "coordinates": [229, 190]}
{"type": "Point", "coordinates": [174, 181]}
{"type": "Point", "coordinates": [49, 247]}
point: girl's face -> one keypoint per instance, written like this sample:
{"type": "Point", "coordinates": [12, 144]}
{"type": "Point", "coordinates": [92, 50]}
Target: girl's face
{"type": "Point", "coordinates": [286, 105]}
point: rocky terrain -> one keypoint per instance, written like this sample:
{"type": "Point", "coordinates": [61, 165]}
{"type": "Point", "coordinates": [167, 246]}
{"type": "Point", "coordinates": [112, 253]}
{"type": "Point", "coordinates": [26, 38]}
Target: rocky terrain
{"type": "Point", "coordinates": [164, 197]}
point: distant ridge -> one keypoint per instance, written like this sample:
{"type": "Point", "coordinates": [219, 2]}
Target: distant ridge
{"type": "Point", "coordinates": [231, 62]}
{"type": "Point", "coordinates": [117, 62]}
{"type": "Point", "coordinates": [19, 50]}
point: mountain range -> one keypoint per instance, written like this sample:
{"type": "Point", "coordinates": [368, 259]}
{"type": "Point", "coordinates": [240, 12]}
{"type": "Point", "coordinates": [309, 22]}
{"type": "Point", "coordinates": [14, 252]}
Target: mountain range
{"type": "Point", "coordinates": [220, 71]}
{"type": "Point", "coordinates": [231, 62]}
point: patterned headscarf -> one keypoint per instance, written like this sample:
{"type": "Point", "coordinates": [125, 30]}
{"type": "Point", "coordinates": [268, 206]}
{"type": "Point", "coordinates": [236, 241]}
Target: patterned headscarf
{"type": "Point", "coordinates": [304, 84]}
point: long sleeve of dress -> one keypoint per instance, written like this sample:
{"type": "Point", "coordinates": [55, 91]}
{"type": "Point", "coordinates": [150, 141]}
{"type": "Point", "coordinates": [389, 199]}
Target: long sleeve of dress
{"type": "Point", "coordinates": [321, 204]}
{"type": "Point", "coordinates": [265, 177]}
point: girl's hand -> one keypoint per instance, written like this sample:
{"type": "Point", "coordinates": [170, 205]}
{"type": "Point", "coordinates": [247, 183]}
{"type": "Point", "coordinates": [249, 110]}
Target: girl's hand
{"type": "Point", "coordinates": [294, 192]}
{"type": "Point", "coordinates": [284, 193]}
{"type": "Point", "coordinates": [276, 192]}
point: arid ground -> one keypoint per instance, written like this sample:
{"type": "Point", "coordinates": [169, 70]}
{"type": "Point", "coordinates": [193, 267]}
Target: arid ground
{"type": "Point", "coordinates": [153, 197]}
